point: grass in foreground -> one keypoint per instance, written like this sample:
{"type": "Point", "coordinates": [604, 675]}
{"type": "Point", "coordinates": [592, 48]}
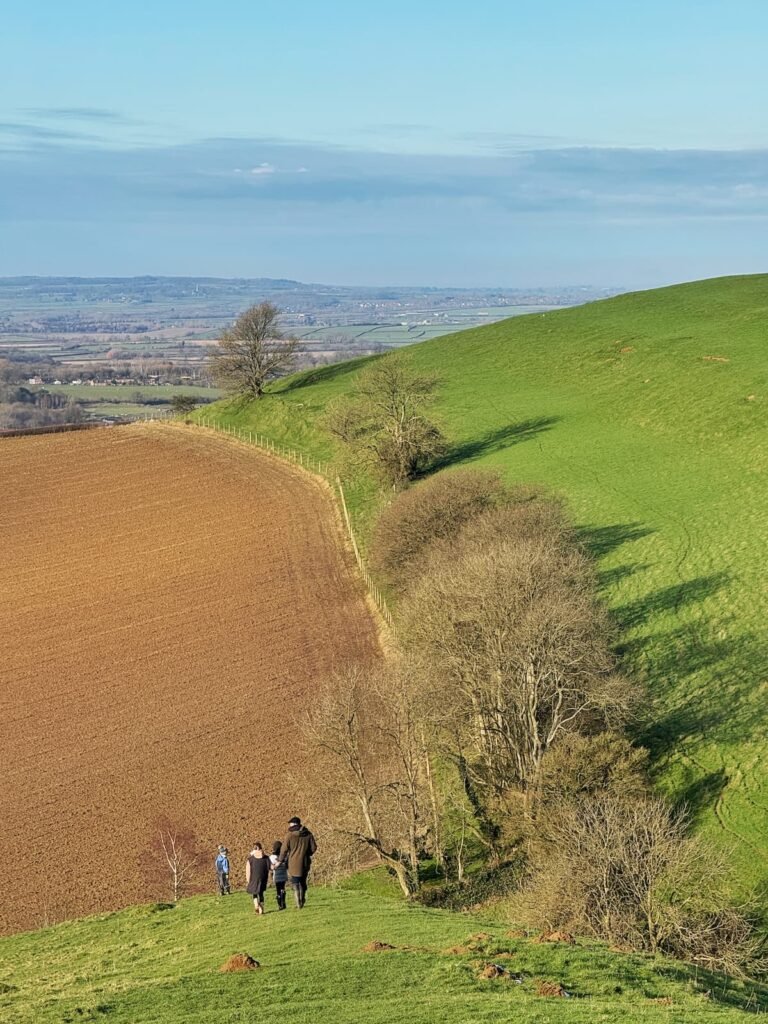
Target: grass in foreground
{"type": "Point", "coordinates": [648, 412]}
{"type": "Point", "coordinates": [159, 963]}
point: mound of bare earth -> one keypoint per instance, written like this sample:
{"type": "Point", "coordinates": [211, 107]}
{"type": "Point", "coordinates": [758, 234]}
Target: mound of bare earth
{"type": "Point", "coordinates": [168, 600]}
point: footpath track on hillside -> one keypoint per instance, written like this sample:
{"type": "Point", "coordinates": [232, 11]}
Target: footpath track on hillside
{"type": "Point", "coordinates": [168, 602]}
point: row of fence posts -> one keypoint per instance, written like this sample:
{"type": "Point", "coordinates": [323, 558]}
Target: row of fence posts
{"type": "Point", "coordinates": [313, 465]}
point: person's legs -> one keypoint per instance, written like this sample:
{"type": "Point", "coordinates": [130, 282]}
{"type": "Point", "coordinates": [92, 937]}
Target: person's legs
{"type": "Point", "coordinates": [220, 876]}
{"type": "Point", "coordinates": [296, 883]}
{"type": "Point", "coordinates": [225, 880]}
{"type": "Point", "coordinates": [299, 883]}
{"type": "Point", "coordinates": [280, 894]}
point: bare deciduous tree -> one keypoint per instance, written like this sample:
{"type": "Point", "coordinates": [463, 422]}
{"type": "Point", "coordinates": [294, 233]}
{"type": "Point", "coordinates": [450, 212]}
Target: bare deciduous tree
{"type": "Point", "coordinates": [184, 404]}
{"type": "Point", "coordinates": [435, 509]}
{"type": "Point", "coordinates": [519, 652]}
{"type": "Point", "coordinates": [627, 871]}
{"type": "Point", "coordinates": [365, 731]}
{"type": "Point", "coordinates": [253, 352]}
{"type": "Point", "coordinates": [384, 423]}
{"type": "Point", "coordinates": [174, 857]}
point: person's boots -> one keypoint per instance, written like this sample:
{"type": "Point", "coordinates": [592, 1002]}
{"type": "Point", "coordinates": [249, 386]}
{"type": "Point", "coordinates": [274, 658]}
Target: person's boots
{"type": "Point", "coordinates": [297, 897]}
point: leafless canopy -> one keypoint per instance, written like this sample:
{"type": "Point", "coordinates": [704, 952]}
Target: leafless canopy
{"type": "Point", "coordinates": [174, 857]}
{"type": "Point", "coordinates": [518, 650]}
{"type": "Point", "coordinates": [253, 352]}
{"type": "Point", "coordinates": [628, 871]}
{"type": "Point", "coordinates": [385, 422]}
{"type": "Point", "coordinates": [433, 510]}
{"type": "Point", "coordinates": [365, 729]}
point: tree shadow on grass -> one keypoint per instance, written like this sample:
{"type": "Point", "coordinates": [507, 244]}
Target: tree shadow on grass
{"type": "Point", "coordinates": [321, 374]}
{"type": "Point", "coordinates": [602, 540]}
{"type": "Point", "coordinates": [702, 792]}
{"type": "Point", "coordinates": [495, 440]}
{"type": "Point", "coordinates": [670, 599]}
{"type": "Point", "coordinates": [739, 994]}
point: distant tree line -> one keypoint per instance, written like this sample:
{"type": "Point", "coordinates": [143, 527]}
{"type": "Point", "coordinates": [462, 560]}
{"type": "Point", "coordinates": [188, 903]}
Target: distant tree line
{"type": "Point", "coordinates": [21, 407]}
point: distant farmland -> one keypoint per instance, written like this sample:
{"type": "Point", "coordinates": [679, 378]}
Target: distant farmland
{"type": "Point", "coordinates": [169, 601]}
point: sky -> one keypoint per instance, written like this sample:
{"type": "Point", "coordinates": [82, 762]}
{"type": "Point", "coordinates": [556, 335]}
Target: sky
{"type": "Point", "coordinates": [495, 143]}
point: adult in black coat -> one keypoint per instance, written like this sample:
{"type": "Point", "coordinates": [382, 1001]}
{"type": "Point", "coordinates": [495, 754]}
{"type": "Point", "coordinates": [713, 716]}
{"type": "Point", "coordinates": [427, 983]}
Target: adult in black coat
{"type": "Point", "coordinates": [297, 853]}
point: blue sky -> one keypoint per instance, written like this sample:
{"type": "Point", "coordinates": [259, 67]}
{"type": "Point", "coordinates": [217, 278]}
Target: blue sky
{"type": "Point", "coordinates": [514, 143]}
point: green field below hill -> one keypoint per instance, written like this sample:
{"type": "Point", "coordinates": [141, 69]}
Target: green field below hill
{"type": "Point", "coordinates": [158, 964]}
{"type": "Point", "coordinates": [648, 412]}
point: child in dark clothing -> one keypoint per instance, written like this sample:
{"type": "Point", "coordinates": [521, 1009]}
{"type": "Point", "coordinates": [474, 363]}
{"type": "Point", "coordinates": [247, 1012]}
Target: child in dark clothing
{"type": "Point", "coordinates": [279, 874]}
{"type": "Point", "coordinates": [222, 871]}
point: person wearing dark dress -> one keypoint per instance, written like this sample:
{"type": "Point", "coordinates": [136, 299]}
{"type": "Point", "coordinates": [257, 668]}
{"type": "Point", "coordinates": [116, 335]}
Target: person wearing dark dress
{"type": "Point", "coordinates": [257, 875]}
{"type": "Point", "coordinates": [279, 874]}
{"type": "Point", "coordinates": [297, 853]}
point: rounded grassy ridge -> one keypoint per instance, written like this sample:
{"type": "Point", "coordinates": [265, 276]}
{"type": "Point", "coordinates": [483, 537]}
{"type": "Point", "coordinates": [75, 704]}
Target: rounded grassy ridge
{"type": "Point", "coordinates": [648, 413]}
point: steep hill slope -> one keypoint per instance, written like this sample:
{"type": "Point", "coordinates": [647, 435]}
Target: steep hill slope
{"type": "Point", "coordinates": [160, 963]}
{"type": "Point", "coordinates": [650, 413]}
{"type": "Point", "coordinates": [168, 601]}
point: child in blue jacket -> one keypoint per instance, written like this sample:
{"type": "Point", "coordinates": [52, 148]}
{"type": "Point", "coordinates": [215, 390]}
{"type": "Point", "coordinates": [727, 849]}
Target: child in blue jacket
{"type": "Point", "coordinates": [222, 871]}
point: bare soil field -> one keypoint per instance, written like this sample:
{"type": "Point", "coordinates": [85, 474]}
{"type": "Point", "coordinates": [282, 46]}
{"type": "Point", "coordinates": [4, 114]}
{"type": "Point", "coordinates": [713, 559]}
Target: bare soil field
{"type": "Point", "coordinates": [168, 601]}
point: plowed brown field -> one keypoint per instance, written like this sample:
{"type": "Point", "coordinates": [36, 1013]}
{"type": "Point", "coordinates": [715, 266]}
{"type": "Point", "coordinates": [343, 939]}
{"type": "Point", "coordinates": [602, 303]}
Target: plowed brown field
{"type": "Point", "coordinates": [168, 601]}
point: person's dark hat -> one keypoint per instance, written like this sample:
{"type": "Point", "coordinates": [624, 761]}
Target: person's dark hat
{"type": "Point", "coordinates": [294, 822]}
{"type": "Point", "coordinates": [277, 847]}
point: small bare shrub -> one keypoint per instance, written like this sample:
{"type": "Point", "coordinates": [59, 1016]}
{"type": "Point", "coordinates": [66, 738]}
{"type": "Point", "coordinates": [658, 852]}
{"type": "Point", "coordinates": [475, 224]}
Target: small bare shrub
{"type": "Point", "coordinates": [174, 857]}
{"type": "Point", "coordinates": [627, 871]}
{"type": "Point", "coordinates": [384, 423]}
{"type": "Point", "coordinates": [582, 766]}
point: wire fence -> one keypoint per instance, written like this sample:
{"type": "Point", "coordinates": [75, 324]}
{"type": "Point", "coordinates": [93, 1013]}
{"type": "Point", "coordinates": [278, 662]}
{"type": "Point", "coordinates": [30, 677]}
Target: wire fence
{"type": "Point", "coordinates": [312, 465]}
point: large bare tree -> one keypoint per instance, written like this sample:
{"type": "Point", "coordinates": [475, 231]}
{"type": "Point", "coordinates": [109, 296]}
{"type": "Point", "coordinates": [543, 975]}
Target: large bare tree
{"type": "Point", "coordinates": [365, 731]}
{"type": "Point", "coordinates": [519, 651]}
{"type": "Point", "coordinates": [253, 352]}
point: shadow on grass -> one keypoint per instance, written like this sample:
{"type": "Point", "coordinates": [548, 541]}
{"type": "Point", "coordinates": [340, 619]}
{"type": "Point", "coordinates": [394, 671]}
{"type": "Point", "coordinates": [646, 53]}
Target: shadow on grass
{"type": "Point", "coordinates": [602, 540]}
{"type": "Point", "coordinates": [495, 441]}
{"type": "Point", "coordinates": [739, 994]}
{"type": "Point", "coordinates": [670, 599]}
{"type": "Point", "coordinates": [322, 374]}
{"type": "Point", "coordinates": [725, 711]}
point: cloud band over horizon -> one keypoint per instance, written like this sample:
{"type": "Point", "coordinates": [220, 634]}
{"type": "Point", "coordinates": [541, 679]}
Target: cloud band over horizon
{"type": "Point", "coordinates": [505, 204]}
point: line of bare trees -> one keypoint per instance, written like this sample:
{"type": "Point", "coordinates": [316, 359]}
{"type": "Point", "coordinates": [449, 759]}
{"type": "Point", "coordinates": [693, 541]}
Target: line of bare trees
{"type": "Point", "coordinates": [496, 733]}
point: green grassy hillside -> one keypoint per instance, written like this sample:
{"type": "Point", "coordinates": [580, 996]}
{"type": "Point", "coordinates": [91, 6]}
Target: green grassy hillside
{"type": "Point", "coordinates": [159, 964]}
{"type": "Point", "coordinates": [650, 413]}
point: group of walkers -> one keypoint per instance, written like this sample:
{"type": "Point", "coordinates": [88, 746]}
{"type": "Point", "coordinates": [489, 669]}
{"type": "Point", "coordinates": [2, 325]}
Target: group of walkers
{"type": "Point", "coordinates": [289, 861]}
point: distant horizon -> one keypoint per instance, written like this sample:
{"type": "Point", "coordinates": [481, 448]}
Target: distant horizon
{"type": "Point", "coordinates": [571, 286]}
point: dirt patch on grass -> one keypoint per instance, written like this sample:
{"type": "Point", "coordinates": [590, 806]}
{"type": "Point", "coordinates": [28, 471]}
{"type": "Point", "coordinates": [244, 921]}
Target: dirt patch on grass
{"type": "Point", "coordinates": [374, 946]}
{"type": "Point", "coordinates": [239, 962]}
{"type": "Point", "coordinates": [169, 601]}
{"type": "Point", "coordinates": [552, 989]}
{"type": "Point", "coordinates": [564, 937]}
